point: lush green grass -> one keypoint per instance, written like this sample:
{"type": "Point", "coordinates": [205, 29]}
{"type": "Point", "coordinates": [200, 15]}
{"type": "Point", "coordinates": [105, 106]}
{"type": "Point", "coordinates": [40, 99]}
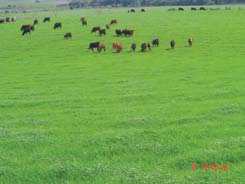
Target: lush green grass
{"type": "Point", "coordinates": [71, 116]}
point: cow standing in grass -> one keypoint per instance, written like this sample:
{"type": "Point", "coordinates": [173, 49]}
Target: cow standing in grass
{"type": "Point", "coordinates": [102, 32]}
{"type": "Point", "coordinates": [27, 29]}
{"type": "Point", "coordinates": [117, 46]}
{"type": "Point", "coordinates": [13, 19]}
{"type": "Point", "coordinates": [100, 47]}
{"type": "Point", "coordinates": [46, 19]}
{"type": "Point", "coordinates": [107, 26]}
{"type": "Point", "coordinates": [2, 21]}
{"type": "Point", "coordinates": [57, 25]}
{"type": "Point", "coordinates": [172, 44]}
{"type": "Point", "coordinates": [68, 35]}
{"type": "Point", "coordinates": [7, 19]}
{"type": "Point", "coordinates": [35, 22]}
{"type": "Point", "coordinates": [95, 29]}
{"type": "Point", "coordinates": [155, 42]}
{"type": "Point", "coordinates": [149, 45]}
{"type": "Point", "coordinates": [93, 45]}
{"type": "Point", "coordinates": [133, 47]}
{"type": "Point", "coordinates": [84, 22]}
{"type": "Point", "coordinates": [113, 21]}
{"type": "Point", "coordinates": [24, 26]}
{"type": "Point", "coordinates": [143, 47]}
{"type": "Point", "coordinates": [190, 40]}
{"type": "Point", "coordinates": [118, 32]}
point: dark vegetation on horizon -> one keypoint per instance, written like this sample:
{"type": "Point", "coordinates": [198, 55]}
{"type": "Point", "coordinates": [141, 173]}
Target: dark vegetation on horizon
{"type": "Point", "coordinates": [115, 3]}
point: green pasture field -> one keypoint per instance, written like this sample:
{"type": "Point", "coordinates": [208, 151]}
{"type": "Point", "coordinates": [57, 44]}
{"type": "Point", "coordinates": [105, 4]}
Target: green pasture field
{"type": "Point", "coordinates": [68, 115]}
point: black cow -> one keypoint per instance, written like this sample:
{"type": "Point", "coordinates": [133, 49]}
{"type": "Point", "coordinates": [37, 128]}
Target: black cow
{"type": "Point", "coordinates": [132, 10]}
{"type": "Point", "coordinates": [133, 47]}
{"type": "Point", "coordinates": [35, 22]}
{"type": "Point", "coordinates": [2, 21]}
{"type": "Point", "coordinates": [202, 8]}
{"type": "Point", "coordinates": [68, 35]}
{"type": "Point", "coordinates": [143, 47]}
{"type": "Point", "coordinates": [93, 45]}
{"type": "Point", "coordinates": [142, 10]}
{"type": "Point", "coordinates": [95, 29]}
{"type": "Point", "coordinates": [155, 42]}
{"type": "Point", "coordinates": [102, 32]}
{"type": "Point", "coordinates": [46, 19]}
{"type": "Point", "coordinates": [118, 32]}
{"type": "Point", "coordinates": [172, 44]}
{"type": "Point", "coordinates": [193, 9]}
{"type": "Point", "coordinates": [24, 26]}
{"type": "Point", "coordinates": [57, 25]}
{"type": "Point", "coordinates": [181, 9]}
{"type": "Point", "coordinates": [84, 22]}
{"type": "Point", "coordinates": [27, 29]}
{"type": "Point", "coordinates": [128, 32]}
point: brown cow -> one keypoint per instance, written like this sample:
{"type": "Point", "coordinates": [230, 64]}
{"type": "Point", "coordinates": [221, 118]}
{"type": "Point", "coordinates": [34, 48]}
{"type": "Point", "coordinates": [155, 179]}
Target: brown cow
{"type": "Point", "coordinates": [94, 29]}
{"type": "Point", "coordinates": [149, 45]}
{"type": "Point", "coordinates": [107, 26]}
{"type": "Point", "coordinates": [100, 47]}
{"type": "Point", "coordinates": [117, 46]}
{"type": "Point", "coordinates": [82, 18]}
{"type": "Point", "coordinates": [7, 19]}
{"type": "Point", "coordinates": [113, 21]}
{"type": "Point", "coordinates": [190, 40]}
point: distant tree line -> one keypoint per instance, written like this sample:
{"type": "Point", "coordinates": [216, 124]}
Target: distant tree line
{"type": "Point", "coordinates": [115, 3]}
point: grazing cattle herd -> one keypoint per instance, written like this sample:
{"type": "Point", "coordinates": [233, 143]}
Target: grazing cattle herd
{"type": "Point", "coordinates": [99, 46]}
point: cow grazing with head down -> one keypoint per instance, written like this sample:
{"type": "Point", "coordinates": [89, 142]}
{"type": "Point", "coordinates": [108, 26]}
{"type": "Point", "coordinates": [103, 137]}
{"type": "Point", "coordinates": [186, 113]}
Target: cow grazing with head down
{"type": "Point", "coordinates": [27, 29]}
{"type": "Point", "coordinates": [84, 22]}
{"type": "Point", "coordinates": [142, 10]}
{"type": "Point", "coordinates": [202, 8]}
{"type": "Point", "coordinates": [102, 32]}
{"type": "Point", "coordinates": [2, 21]}
{"type": "Point", "coordinates": [35, 22]}
{"type": "Point", "coordinates": [13, 19]}
{"type": "Point", "coordinates": [100, 47]}
{"type": "Point", "coordinates": [95, 29]}
{"type": "Point", "coordinates": [93, 45]}
{"type": "Point", "coordinates": [68, 35]}
{"type": "Point", "coordinates": [128, 32]}
{"type": "Point", "coordinates": [7, 19]}
{"type": "Point", "coordinates": [46, 19]}
{"type": "Point", "coordinates": [133, 47]}
{"type": "Point", "coordinates": [143, 47]}
{"type": "Point", "coordinates": [190, 40]}
{"type": "Point", "coordinates": [107, 26]}
{"type": "Point", "coordinates": [117, 46]}
{"type": "Point", "coordinates": [155, 42]}
{"type": "Point", "coordinates": [57, 25]}
{"type": "Point", "coordinates": [113, 21]}
{"type": "Point", "coordinates": [193, 9]}
{"type": "Point", "coordinates": [172, 44]}
{"type": "Point", "coordinates": [181, 9]}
